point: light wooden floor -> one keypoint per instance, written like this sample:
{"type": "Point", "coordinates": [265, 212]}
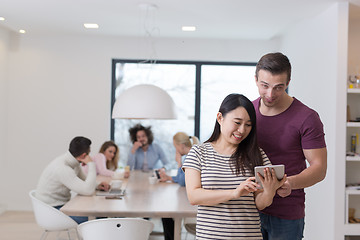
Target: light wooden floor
{"type": "Point", "coordinates": [19, 225]}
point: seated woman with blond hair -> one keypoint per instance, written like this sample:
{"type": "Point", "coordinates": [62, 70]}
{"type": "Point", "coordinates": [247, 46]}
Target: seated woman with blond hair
{"type": "Point", "coordinates": [182, 143]}
{"type": "Point", "coordinates": [106, 160]}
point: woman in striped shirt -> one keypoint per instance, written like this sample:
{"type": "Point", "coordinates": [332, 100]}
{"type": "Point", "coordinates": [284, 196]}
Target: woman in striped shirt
{"type": "Point", "coordinates": [220, 175]}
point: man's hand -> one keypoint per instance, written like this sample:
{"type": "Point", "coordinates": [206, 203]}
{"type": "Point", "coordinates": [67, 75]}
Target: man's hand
{"type": "Point", "coordinates": [284, 190]}
{"type": "Point", "coordinates": [85, 159]}
{"type": "Point", "coordinates": [104, 186]}
{"type": "Point", "coordinates": [135, 146]}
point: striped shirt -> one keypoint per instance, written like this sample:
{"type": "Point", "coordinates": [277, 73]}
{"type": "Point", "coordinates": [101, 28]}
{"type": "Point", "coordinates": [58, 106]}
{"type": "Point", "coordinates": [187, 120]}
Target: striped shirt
{"type": "Point", "coordinates": [234, 219]}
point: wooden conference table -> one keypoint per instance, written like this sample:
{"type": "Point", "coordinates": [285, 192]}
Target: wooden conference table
{"type": "Point", "coordinates": [142, 199]}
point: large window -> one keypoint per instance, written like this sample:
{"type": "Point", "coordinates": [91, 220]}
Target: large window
{"type": "Point", "coordinates": [217, 81]}
{"type": "Point", "coordinates": [197, 89]}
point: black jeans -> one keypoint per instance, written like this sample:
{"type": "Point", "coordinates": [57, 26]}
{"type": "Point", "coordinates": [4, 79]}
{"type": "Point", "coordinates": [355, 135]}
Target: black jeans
{"type": "Point", "coordinates": [168, 225]}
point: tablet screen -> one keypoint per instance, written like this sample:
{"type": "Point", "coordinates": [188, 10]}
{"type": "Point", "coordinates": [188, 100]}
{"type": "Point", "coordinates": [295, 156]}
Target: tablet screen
{"type": "Point", "coordinates": [279, 171]}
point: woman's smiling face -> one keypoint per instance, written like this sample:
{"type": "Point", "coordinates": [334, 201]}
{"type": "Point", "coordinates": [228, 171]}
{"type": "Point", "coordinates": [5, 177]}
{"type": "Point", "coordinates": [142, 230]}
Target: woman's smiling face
{"type": "Point", "coordinates": [235, 126]}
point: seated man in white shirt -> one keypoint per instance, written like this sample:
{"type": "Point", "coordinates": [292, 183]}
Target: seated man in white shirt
{"type": "Point", "coordinates": [64, 174]}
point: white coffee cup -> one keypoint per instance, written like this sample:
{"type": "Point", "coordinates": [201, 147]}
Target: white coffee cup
{"type": "Point", "coordinates": [153, 180]}
{"type": "Point", "coordinates": [116, 184]}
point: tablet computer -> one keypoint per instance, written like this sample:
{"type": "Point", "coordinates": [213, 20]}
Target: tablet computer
{"type": "Point", "coordinates": [279, 171]}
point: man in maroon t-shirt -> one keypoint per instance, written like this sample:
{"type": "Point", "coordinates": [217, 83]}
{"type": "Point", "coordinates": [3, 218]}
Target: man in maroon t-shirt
{"type": "Point", "coordinates": [290, 133]}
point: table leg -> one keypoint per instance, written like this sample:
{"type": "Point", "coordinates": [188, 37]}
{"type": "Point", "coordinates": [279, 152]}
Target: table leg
{"type": "Point", "coordinates": [177, 228]}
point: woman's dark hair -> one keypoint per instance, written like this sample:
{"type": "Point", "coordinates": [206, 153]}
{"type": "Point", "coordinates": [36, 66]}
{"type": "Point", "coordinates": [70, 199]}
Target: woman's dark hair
{"type": "Point", "coordinates": [247, 154]}
{"type": "Point", "coordinates": [276, 63]}
{"type": "Point", "coordinates": [139, 127]}
{"type": "Point", "coordinates": [79, 145]}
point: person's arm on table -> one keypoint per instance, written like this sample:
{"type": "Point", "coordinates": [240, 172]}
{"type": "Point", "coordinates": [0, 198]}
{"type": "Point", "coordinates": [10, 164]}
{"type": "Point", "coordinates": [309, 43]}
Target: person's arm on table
{"type": "Point", "coordinates": [163, 176]}
{"type": "Point", "coordinates": [180, 177]}
{"type": "Point", "coordinates": [100, 161]}
{"type": "Point", "coordinates": [75, 183]}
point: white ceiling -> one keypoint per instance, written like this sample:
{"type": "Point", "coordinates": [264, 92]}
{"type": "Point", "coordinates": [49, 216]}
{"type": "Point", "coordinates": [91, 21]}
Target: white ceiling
{"type": "Point", "coordinates": [226, 19]}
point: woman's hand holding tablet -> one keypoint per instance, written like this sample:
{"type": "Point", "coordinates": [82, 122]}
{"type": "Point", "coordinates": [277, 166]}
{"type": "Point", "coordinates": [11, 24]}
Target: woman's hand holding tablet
{"type": "Point", "coordinates": [279, 171]}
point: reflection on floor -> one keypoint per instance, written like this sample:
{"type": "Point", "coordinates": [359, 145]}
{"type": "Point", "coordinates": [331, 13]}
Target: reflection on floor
{"type": "Point", "coordinates": [15, 225]}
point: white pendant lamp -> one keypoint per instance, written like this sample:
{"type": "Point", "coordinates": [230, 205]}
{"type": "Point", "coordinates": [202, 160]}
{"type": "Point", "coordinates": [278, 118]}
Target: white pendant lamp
{"type": "Point", "coordinates": [144, 101]}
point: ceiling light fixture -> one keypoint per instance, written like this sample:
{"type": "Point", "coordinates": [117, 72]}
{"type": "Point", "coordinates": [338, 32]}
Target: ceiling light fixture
{"type": "Point", "coordinates": [91, 25]}
{"type": "Point", "coordinates": [22, 31]}
{"type": "Point", "coordinates": [2, 19]}
{"type": "Point", "coordinates": [149, 11]}
{"type": "Point", "coordinates": [188, 28]}
{"type": "Point", "coordinates": [145, 101]}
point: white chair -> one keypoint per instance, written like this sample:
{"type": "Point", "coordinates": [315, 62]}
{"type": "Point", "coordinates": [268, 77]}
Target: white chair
{"type": "Point", "coordinates": [116, 228]}
{"type": "Point", "coordinates": [51, 219]}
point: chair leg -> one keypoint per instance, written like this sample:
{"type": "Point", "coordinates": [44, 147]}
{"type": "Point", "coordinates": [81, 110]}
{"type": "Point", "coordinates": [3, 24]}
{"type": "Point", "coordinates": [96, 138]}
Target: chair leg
{"type": "Point", "coordinates": [44, 235]}
{"type": "Point", "coordinates": [77, 234]}
{"type": "Point", "coordinates": [68, 232]}
{"type": "Point", "coordinates": [58, 233]}
{"type": "Point", "coordinates": [186, 236]}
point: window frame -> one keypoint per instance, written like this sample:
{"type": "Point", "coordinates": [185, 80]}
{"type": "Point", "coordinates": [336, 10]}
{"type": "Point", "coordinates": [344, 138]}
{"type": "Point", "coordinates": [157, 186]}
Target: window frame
{"type": "Point", "coordinates": [197, 64]}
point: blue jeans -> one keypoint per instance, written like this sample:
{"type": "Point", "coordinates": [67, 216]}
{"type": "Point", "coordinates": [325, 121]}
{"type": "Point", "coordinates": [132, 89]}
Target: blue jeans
{"type": "Point", "coordinates": [274, 228]}
{"type": "Point", "coordinates": [77, 219]}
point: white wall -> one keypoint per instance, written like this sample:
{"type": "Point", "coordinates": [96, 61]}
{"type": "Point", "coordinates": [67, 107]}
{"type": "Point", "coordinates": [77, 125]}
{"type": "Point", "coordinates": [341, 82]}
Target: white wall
{"type": "Point", "coordinates": [317, 49]}
{"type": "Point", "coordinates": [4, 46]}
{"type": "Point", "coordinates": [59, 87]}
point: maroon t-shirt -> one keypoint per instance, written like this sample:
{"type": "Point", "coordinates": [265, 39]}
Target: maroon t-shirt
{"type": "Point", "coordinates": [283, 138]}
